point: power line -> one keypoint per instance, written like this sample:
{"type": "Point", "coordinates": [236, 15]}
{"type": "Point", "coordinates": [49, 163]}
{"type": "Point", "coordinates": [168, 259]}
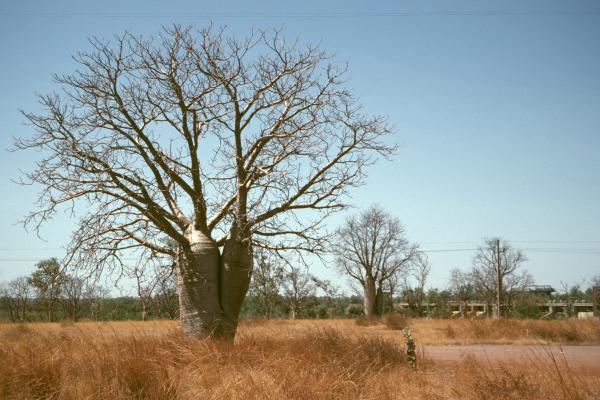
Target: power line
{"type": "Point", "coordinates": [555, 250]}
{"type": "Point", "coordinates": [554, 241]}
{"type": "Point", "coordinates": [15, 259]}
{"type": "Point", "coordinates": [446, 250]}
{"type": "Point", "coordinates": [564, 251]}
{"type": "Point", "coordinates": [429, 250]}
{"type": "Point", "coordinates": [32, 249]}
{"type": "Point", "coordinates": [332, 14]}
{"type": "Point", "coordinates": [521, 241]}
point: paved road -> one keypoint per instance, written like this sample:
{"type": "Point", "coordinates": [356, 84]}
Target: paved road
{"type": "Point", "coordinates": [575, 356]}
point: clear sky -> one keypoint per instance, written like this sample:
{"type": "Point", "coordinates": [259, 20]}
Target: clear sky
{"type": "Point", "coordinates": [496, 103]}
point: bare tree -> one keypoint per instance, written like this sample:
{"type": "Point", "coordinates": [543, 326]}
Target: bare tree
{"type": "Point", "coordinates": [462, 288]}
{"type": "Point", "coordinates": [515, 283]}
{"type": "Point", "coordinates": [149, 280]}
{"type": "Point", "coordinates": [165, 301]}
{"type": "Point", "coordinates": [73, 290]}
{"type": "Point", "coordinates": [495, 267]}
{"type": "Point", "coordinates": [17, 294]}
{"type": "Point", "coordinates": [216, 143]}
{"type": "Point", "coordinates": [267, 279]}
{"type": "Point", "coordinates": [297, 287]}
{"type": "Point", "coordinates": [331, 293]}
{"type": "Point", "coordinates": [94, 296]}
{"type": "Point", "coordinates": [392, 286]}
{"type": "Point", "coordinates": [420, 272]}
{"type": "Point", "coordinates": [370, 248]}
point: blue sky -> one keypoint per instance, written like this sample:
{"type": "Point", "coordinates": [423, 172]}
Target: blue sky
{"type": "Point", "coordinates": [496, 103]}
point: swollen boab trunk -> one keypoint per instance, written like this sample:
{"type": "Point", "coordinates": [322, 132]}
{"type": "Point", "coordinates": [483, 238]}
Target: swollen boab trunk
{"type": "Point", "coordinates": [198, 286]}
{"type": "Point", "coordinates": [235, 273]}
{"type": "Point", "coordinates": [212, 287]}
{"type": "Point", "coordinates": [370, 301]}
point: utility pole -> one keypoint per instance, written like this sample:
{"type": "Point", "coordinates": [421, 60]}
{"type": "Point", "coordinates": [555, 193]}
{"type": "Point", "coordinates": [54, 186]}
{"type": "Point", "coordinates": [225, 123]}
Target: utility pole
{"type": "Point", "coordinates": [498, 280]}
{"type": "Point", "coordinates": [596, 301]}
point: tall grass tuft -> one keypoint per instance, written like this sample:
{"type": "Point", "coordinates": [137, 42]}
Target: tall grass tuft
{"type": "Point", "coordinates": [392, 321]}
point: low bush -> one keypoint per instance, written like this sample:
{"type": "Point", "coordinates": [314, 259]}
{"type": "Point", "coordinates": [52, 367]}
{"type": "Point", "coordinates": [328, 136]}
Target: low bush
{"type": "Point", "coordinates": [370, 320]}
{"type": "Point", "coordinates": [395, 321]}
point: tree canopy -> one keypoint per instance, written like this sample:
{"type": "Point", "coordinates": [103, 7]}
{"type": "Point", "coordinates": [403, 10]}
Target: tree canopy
{"type": "Point", "coordinates": [205, 141]}
{"type": "Point", "coordinates": [371, 248]}
{"type": "Point", "coordinates": [196, 128]}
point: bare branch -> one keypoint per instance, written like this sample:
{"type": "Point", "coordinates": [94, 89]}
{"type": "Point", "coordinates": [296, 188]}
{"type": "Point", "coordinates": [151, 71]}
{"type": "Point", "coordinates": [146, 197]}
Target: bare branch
{"type": "Point", "coordinates": [194, 130]}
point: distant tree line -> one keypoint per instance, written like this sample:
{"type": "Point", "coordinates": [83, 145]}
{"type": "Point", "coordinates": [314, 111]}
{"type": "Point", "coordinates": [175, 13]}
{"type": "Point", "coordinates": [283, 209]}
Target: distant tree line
{"type": "Point", "coordinates": [50, 294]}
{"type": "Point", "coordinates": [281, 289]}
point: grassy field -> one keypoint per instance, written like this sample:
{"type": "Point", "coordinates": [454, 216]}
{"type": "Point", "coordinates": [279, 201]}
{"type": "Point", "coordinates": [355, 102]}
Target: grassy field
{"type": "Point", "coordinates": [506, 331]}
{"type": "Point", "coordinates": [336, 359]}
{"type": "Point", "coordinates": [441, 332]}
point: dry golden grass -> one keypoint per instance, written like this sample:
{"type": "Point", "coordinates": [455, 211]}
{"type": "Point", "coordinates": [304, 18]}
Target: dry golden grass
{"type": "Point", "coordinates": [449, 331]}
{"type": "Point", "coordinates": [515, 331]}
{"type": "Point", "coordinates": [269, 360]}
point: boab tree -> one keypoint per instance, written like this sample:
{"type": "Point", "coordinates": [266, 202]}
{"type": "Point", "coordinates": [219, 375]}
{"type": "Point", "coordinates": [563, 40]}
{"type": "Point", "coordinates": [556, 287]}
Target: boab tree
{"type": "Point", "coordinates": [266, 282]}
{"type": "Point", "coordinates": [371, 248]}
{"type": "Point", "coordinates": [496, 272]}
{"type": "Point", "coordinates": [15, 297]}
{"type": "Point", "coordinates": [215, 143]}
{"type": "Point", "coordinates": [298, 287]}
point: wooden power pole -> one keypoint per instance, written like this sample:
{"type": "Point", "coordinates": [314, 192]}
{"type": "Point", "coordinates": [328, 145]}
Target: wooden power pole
{"type": "Point", "coordinates": [498, 281]}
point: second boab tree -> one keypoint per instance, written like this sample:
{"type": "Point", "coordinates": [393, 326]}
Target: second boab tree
{"type": "Point", "coordinates": [200, 139]}
{"type": "Point", "coordinates": [371, 249]}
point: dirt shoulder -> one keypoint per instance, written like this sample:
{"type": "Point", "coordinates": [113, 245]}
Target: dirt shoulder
{"type": "Point", "coordinates": [573, 356]}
